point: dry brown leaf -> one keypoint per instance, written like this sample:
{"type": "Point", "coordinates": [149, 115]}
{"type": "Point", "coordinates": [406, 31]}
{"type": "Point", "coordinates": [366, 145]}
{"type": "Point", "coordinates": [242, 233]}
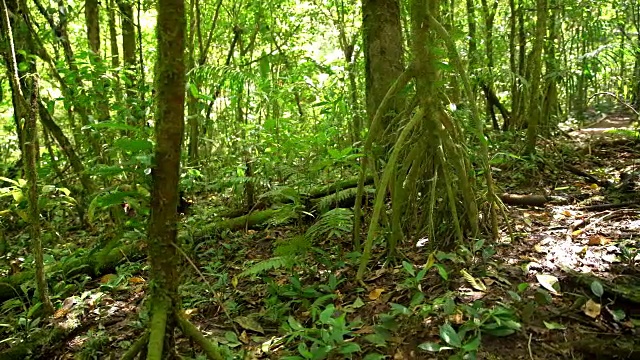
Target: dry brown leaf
{"type": "Point", "coordinates": [598, 240]}
{"type": "Point", "coordinates": [592, 309]}
{"type": "Point", "coordinates": [375, 294]}
{"type": "Point", "coordinates": [456, 318]}
{"type": "Point", "coordinates": [567, 213]}
{"type": "Point", "coordinates": [137, 280]}
{"type": "Point", "coordinates": [109, 277]}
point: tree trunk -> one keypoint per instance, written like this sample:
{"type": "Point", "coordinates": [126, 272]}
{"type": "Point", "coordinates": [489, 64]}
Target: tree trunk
{"type": "Point", "coordinates": [28, 113]}
{"type": "Point", "coordinates": [536, 56]}
{"type": "Point", "coordinates": [383, 54]}
{"type": "Point", "coordinates": [30, 154]}
{"type": "Point", "coordinates": [162, 246]}
{"type": "Point", "coordinates": [129, 54]}
{"type": "Point", "coordinates": [92, 18]}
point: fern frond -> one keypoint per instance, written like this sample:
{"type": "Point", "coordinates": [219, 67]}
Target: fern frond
{"type": "Point", "coordinates": [337, 199]}
{"type": "Point", "coordinates": [284, 215]}
{"type": "Point", "coordinates": [277, 262]}
{"type": "Point", "coordinates": [297, 245]}
{"type": "Point", "coordinates": [334, 223]}
{"type": "Point", "coordinates": [281, 194]}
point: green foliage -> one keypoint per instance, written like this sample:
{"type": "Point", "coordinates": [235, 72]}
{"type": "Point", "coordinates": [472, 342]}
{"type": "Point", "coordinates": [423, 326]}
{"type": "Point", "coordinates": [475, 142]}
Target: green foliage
{"type": "Point", "coordinates": [269, 264]}
{"type": "Point", "coordinates": [333, 224]}
{"type": "Point", "coordinates": [331, 335]}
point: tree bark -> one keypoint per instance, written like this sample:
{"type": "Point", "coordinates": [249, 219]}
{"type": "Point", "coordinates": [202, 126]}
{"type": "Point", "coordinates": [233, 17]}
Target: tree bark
{"type": "Point", "coordinates": [162, 247]}
{"type": "Point", "coordinates": [383, 54]}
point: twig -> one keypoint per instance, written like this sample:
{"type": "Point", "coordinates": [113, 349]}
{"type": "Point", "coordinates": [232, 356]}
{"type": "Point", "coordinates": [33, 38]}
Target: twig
{"type": "Point", "coordinates": [529, 346]}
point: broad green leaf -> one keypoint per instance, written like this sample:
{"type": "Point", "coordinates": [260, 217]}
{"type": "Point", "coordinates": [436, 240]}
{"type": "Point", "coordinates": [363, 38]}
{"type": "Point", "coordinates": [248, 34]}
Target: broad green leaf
{"type": "Point", "coordinates": [596, 288]}
{"type": "Point", "coordinates": [349, 348]}
{"type": "Point", "coordinates": [472, 345]}
{"type": "Point", "coordinates": [327, 313]}
{"type": "Point", "coordinates": [373, 356]}
{"type": "Point", "coordinates": [408, 267]}
{"type": "Point", "coordinates": [294, 324]}
{"type": "Point", "coordinates": [450, 336]}
{"type": "Point", "coordinates": [442, 271]}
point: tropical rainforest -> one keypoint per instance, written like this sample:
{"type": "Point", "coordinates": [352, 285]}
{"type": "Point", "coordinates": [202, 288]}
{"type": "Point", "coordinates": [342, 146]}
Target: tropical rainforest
{"type": "Point", "coordinates": [375, 179]}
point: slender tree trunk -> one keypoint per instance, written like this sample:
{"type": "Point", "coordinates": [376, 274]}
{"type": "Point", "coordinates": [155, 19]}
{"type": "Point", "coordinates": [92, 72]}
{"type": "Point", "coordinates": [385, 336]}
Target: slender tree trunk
{"type": "Point", "coordinates": [162, 246]}
{"type": "Point", "coordinates": [193, 118]}
{"type": "Point", "coordinates": [536, 56]}
{"type": "Point", "coordinates": [92, 18]}
{"type": "Point", "coordinates": [129, 57]}
{"type": "Point", "coordinates": [113, 35]}
{"type": "Point", "coordinates": [30, 154]}
{"type": "Point", "coordinates": [513, 63]}
{"type": "Point", "coordinates": [28, 113]}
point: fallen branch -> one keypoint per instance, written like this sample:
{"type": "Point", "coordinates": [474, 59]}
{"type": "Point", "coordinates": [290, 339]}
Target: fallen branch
{"type": "Point", "coordinates": [531, 200]}
{"type": "Point", "coordinates": [574, 170]}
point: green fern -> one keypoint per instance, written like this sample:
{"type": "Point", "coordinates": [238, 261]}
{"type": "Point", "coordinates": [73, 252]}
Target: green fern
{"type": "Point", "coordinates": [297, 245]}
{"type": "Point", "coordinates": [282, 194]}
{"type": "Point", "coordinates": [332, 224]}
{"type": "Point", "coordinates": [273, 263]}
{"type": "Point", "coordinates": [284, 215]}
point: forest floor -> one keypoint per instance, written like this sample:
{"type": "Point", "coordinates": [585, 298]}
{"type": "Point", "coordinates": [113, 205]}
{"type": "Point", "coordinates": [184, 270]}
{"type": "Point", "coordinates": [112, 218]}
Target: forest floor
{"type": "Point", "coordinates": [590, 224]}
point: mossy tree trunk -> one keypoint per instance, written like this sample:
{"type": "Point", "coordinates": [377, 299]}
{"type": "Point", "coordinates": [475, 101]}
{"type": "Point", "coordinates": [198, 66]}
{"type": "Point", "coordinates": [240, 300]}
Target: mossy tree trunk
{"type": "Point", "coordinates": [383, 54]}
{"type": "Point", "coordinates": [169, 85]}
{"type": "Point", "coordinates": [536, 58]}
{"type": "Point", "coordinates": [27, 113]}
{"type": "Point", "coordinates": [384, 66]}
{"type": "Point", "coordinates": [163, 246]}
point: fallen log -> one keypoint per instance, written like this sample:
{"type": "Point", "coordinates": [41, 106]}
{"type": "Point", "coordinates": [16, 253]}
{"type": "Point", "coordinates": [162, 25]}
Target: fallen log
{"type": "Point", "coordinates": [326, 190]}
{"type": "Point", "coordinates": [101, 261]}
{"type": "Point", "coordinates": [531, 200]}
{"type": "Point", "coordinates": [97, 263]}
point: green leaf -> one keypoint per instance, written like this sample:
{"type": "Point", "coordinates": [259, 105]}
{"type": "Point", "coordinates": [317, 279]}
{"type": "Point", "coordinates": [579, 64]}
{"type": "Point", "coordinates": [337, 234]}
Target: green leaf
{"type": "Point", "coordinates": [522, 287]}
{"type": "Point", "coordinates": [400, 309]}
{"type": "Point", "coordinates": [373, 356]}
{"type": "Point", "coordinates": [231, 337]}
{"type": "Point", "coordinates": [358, 303]}
{"type": "Point", "coordinates": [408, 267]}
{"type": "Point", "coordinates": [133, 145]}
{"type": "Point", "coordinates": [349, 348]}
{"type": "Point", "coordinates": [450, 336]}
{"type": "Point", "coordinates": [376, 339]}
{"type": "Point", "coordinates": [249, 323]}
{"type": "Point", "coordinates": [553, 325]}
{"type": "Point", "coordinates": [193, 90]}
{"type": "Point", "coordinates": [472, 345]}
{"type": "Point", "coordinates": [111, 125]}
{"type": "Point", "coordinates": [294, 324]}
{"type": "Point", "coordinates": [514, 295]}
{"type": "Point", "coordinates": [596, 288]}
{"type": "Point", "coordinates": [542, 297]}
{"type": "Point", "coordinates": [618, 315]}
{"type": "Point", "coordinates": [442, 271]}
{"type": "Point", "coordinates": [327, 313]}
